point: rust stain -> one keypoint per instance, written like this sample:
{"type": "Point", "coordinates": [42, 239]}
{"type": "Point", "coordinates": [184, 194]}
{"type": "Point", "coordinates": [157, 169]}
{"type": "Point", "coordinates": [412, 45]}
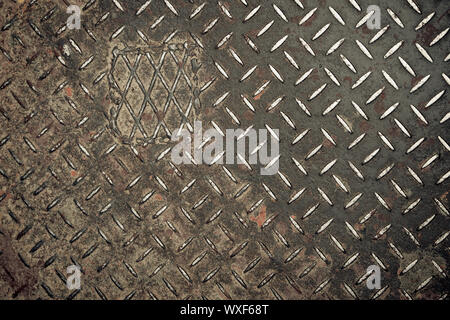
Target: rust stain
{"type": "Point", "coordinates": [252, 33]}
{"type": "Point", "coordinates": [260, 218]}
{"type": "Point", "coordinates": [327, 143]}
{"type": "Point", "coordinates": [69, 91]}
{"type": "Point", "coordinates": [258, 96]}
{"type": "Point", "coordinates": [401, 165]}
{"type": "Point", "coordinates": [248, 115]}
{"type": "Point", "coordinates": [349, 79]}
{"type": "Point", "coordinates": [444, 197]}
{"type": "Point", "coordinates": [394, 131]}
{"type": "Point", "coordinates": [416, 79]}
{"type": "Point", "coordinates": [147, 116]}
{"type": "Point", "coordinates": [365, 30]}
{"type": "Point", "coordinates": [209, 111]}
{"type": "Point", "coordinates": [308, 22]}
{"type": "Point", "coordinates": [314, 75]}
{"type": "Point", "coordinates": [379, 104]}
{"type": "Point", "coordinates": [427, 35]}
{"type": "Point", "coordinates": [73, 173]}
{"type": "Point", "coordinates": [379, 108]}
{"type": "Point", "coordinates": [364, 126]}
{"type": "Point", "coordinates": [242, 167]}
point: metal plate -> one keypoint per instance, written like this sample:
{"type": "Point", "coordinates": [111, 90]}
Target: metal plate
{"type": "Point", "coordinates": [86, 118]}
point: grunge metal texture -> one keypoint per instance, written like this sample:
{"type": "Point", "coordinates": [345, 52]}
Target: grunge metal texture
{"type": "Point", "coordinates": [86, 176]}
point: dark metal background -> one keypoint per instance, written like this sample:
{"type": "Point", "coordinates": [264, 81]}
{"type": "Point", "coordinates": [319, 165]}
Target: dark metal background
{"type": "Point", "coordinates": [86, 176]}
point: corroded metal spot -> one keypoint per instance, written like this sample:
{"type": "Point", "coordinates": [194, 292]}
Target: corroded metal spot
{"type": "Point", "coordinates": [155, 89]}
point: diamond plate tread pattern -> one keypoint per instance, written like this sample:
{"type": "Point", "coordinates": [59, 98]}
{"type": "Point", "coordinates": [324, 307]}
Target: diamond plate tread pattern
{"type": "Point", "coordinates": [87, 179]}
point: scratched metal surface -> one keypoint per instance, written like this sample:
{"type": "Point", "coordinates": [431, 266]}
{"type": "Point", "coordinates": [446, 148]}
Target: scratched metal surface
{"type": "Point", "coordinates": [86, 177]}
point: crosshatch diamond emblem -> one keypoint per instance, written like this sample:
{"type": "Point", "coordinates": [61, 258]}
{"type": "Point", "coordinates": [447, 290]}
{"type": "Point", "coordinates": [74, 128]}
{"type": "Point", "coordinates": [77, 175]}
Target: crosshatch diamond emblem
{"type": "Point", "coordinates": [155, 90]}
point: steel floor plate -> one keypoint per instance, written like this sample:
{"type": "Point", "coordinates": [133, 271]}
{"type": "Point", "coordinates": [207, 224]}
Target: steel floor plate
{"type": "Point", "coordinates": [87, 178]}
